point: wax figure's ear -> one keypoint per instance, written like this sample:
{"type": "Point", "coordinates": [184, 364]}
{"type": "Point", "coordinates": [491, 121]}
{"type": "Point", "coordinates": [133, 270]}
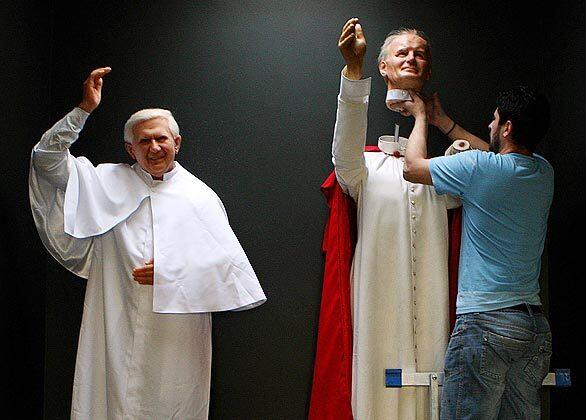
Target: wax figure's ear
{"type": "Point", "coordinates": [177, 146]}
{"type": "Point", "coordinates": [382, 68]}
{"type": "Point", "coordinates": [128, 148]}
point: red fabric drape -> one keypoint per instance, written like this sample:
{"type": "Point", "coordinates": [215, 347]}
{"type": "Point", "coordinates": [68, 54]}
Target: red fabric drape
{"type": "Point", "coordinates": [455, 227]}
{"type": "Point", "coordinates": [332, 375]}
{"type": "Point", "coordinates": [331, 391]}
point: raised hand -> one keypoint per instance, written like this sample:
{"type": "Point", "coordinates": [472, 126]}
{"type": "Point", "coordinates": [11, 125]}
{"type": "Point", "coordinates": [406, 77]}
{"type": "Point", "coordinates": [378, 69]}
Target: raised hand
{"type": "Point", "coordinates": [415, 107]}
{"type": "Point", "coordinates": [144, 274]}
{"type": "Point", "coordinates": [92, 89]}
{"type": "Point", "coordinates": [435, 113]}
{"type": "Point", "coordinates": [352, 45]}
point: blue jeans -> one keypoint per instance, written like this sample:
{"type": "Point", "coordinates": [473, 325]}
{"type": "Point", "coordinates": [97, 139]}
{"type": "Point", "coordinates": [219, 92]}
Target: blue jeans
{"type": "Point", "coordinates": [495, 364]}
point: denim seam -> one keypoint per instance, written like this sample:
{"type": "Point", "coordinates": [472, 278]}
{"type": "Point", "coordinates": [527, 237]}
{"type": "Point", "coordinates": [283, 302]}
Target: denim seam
{"type": "Point", "coordinates": [484, 349]}
{"type": "Point", "coordinates": [459, 376]}
{"type": "Point", "coordinates": [509, 326]}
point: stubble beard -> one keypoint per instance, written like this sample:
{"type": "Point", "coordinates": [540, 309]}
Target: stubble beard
{"type": "Point", "coordinates": [495, 143]}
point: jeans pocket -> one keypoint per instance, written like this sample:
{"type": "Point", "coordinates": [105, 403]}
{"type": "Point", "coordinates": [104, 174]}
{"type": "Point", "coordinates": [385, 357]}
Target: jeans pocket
{"type": "Point", "coordinates": [495, 356]}
{"type": "Point", "coordinates": [538, 364]}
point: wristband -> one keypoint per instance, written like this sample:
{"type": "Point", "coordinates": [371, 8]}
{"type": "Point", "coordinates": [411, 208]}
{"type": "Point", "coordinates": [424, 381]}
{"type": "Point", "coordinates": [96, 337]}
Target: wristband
{"type": "Point", "coordinates": [450, 130]}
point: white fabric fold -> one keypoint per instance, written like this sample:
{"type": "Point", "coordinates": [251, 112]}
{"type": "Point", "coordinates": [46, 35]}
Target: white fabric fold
{"type": "Point", "coordinates": [199, 264]}
{"type": "Point", "coordinates": [399, 277]}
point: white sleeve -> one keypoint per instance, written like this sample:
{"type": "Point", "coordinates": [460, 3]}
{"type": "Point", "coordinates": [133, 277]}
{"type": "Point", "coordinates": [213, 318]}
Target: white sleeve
{"type": "Point", "coordinates": [350, 134]}
{"type": "Point", "coordinates": [50, 157]}
{"type": "Point", "coordinates": [48, 176]}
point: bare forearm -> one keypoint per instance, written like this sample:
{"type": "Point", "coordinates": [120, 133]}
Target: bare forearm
{"type": "Point", "coordinates": [455, 132]}
{"type": "Point", "coordinates": [352, 72]}
{"type": "Point", "coordinates": [416, 167]}
{"type": "Point", "coordinates": [417, 146]}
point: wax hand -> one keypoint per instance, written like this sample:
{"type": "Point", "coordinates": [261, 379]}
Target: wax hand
{"type": "Point", "coordinates": [144, 274]}
{"type": "Point", "coordinates": [414, 107]}
{"type": "Point", "coordinates": [92, 89]}
{"type": "Point", "coordinates": [435, 113]}
{"type": "Point", "coordinates": [352, 45]}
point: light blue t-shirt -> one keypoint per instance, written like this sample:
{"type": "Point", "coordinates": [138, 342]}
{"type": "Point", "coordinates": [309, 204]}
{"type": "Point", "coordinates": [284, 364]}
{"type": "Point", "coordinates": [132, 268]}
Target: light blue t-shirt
{"type": "Point", "coordinates": [506, 200]}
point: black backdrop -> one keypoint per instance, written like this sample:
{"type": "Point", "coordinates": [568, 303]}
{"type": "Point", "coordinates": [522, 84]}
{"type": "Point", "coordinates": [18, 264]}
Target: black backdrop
{"type": "Point", "coordinates": [253, 86]}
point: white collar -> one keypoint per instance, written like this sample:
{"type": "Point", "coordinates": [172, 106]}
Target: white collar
{"type": "Point", "coordinates": [389, 146]}
{"type": "Point", "coordinates": [398, 95]}
{"type": "Point", "coordinates": [148, 178]}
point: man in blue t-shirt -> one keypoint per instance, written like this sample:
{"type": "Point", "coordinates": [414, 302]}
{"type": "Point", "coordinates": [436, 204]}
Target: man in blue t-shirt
{"type": "Point", "coordinates": [499, 351]}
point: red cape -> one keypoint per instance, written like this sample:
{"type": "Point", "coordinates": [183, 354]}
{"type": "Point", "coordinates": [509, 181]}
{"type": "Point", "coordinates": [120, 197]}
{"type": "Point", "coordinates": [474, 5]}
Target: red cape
{"type": "Point", "coordinates": [331, 392]}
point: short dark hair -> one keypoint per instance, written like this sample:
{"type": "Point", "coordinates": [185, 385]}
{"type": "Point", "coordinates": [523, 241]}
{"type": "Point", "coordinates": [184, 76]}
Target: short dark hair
{"type": "Point", "coordinates": [528, 111]}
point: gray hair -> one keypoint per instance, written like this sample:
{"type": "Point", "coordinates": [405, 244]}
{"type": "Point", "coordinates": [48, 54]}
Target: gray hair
{"type": "Point", "coordinates": [149, 114]}
{"type": "Point", "coordinates": [398, 32]}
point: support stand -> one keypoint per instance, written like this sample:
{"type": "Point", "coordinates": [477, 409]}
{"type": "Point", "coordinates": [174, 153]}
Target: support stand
{"type": "Point", "coordinates": [396, 378]}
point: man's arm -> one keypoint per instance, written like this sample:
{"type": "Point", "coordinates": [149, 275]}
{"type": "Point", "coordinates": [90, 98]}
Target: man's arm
{"type": "Point", "coordinates": [351, 116]}
{"type": "Point", "coordinates": [62, 135]}
{"type": "Point", "coordinates": [49, 174]}
{"type": "Point", "coordinates": [416, 166]}
{"type": "Point", "coordinates": [352, 46]}
{"type": "Point", "coordinates": [50, 154]}
{"type": "Point", "coordinates": [437, 117]}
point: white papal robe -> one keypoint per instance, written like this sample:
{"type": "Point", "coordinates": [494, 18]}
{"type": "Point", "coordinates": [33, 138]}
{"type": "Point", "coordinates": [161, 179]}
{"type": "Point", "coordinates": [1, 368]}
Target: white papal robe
{"type": "Point", "coordinates": [399, 276]}
{"type": "Point", "coordinates": [138, 357]}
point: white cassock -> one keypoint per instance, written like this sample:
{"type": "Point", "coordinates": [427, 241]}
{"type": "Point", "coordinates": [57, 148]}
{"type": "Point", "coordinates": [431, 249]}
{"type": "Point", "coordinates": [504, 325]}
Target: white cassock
{"type": "Point", "coordinates": [144, 351]}
{"type": "Point", "coordinates": [400, 269]}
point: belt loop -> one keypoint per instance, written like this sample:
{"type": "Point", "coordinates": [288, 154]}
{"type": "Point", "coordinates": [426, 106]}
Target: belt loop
{"type": "Point", "coordinates": [532, 315]}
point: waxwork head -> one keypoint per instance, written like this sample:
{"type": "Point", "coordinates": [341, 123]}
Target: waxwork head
{"type": "Point", "coordinates": [152, 139]}
{"type": "Point", "coordinates": [405, 60]}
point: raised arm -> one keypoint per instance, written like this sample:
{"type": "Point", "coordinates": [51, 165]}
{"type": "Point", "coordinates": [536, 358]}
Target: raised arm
{"type": "Point", "coordinates": [50, 154]}
{"type": "Point", "coordinates": [437, 117]}
{"type": "Point", "coordinates": [416, 167]}
{"type": "Point", "coordinates": [351, 117]}
{"type": "Point", "coordinates": [49, 174]}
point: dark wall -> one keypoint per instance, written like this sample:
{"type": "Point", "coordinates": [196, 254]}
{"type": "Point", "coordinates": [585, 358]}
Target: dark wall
{"type": "Point", "coordinates": [25, 35]}
{"type": "Point", "coordinates": [565, 57]}
{"type": "Point", "coordinates": [253, 87]}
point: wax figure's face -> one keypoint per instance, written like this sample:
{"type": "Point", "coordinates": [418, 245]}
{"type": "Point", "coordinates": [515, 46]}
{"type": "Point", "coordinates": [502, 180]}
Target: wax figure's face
{"type": "Point", "coordinates": [495, 133]}
{"type": "Point", "coordinates": [407, 65]}
{"type": "Point", "coordinates": [154, 146]}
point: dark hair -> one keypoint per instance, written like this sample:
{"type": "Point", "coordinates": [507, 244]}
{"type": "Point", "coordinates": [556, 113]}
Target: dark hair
{"type": "Point", "coordinates": [528, 111]}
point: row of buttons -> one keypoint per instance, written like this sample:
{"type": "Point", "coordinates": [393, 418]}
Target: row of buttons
{"type": "Point", "coordinates": [414, 260]}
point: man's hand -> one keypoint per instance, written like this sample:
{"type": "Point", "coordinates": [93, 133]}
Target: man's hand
{"type": "Point", "coordinates": [92, 89]}
{"type": "Point", "coordinates": [352, 45]}
{"type": "Point", "coordinates": [436, 115]}
{"type": "Point", "coordinates": [415, 107]}
{"type": "Point", "coordinates": [144, 274]}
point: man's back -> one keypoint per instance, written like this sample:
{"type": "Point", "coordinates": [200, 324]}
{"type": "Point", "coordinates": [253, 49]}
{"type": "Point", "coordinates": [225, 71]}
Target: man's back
{"type": "Point", "coordinates": [506, 200]}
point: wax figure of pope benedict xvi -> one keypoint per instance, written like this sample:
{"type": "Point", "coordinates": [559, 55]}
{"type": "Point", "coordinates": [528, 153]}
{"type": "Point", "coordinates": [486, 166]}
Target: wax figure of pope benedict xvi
{"type": "Point", "coordinates": [156, 247]}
